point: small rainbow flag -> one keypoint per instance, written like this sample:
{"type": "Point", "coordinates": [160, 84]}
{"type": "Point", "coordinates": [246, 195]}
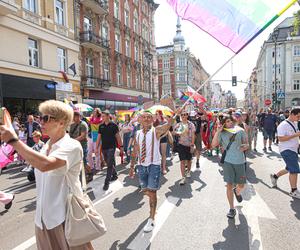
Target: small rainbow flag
{"type": "Point", "coordinates": [234, 23]}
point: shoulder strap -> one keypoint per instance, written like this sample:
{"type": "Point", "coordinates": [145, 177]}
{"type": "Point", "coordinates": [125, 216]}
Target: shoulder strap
{"type": "Point", "coordinates": [291, 125]}
{"type": "Point", "coordinates": [230, 142]}
{"type": "Point", "coordinates": [152, 146]}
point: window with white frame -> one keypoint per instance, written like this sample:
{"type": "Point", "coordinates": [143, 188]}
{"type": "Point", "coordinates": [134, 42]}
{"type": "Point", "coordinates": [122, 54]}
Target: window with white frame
{"type": "Point", "coordinates": [59, 9]}
{"type": "Point", "coordinates": [136, 52]}
{"type": "Point", "coordinates": [62, 59]}
{"type": "Point", "coordinates": [117, 9]}
{"type": "Point", "coordinates": [181, 77]}
{"type": "Point", "coordinates": [166, 62]}
{"type": "Point", "coordinates": [166, 78]}
{"type": "Point", "coordinates": [128, 78]}
{"type": "Point", "coordinates": [117, 42]}
{"type": "Point", "coordinates": [105, 34]}
{"type": "Point", "coordinates": [127, 47]}
{"type": "Point", "coordinates": [297, 67]}
{"type": "Point", "coordinates": [106, 71]}
{"type": "Point", "coordinates": [31, 5]}
{"type": "Point", "coordinates": [277, 68]}
{"type": "Point", "coordinates": [138, 80]}
{"type": "Point", "coordinates": [297, 50]}
{"type": "Point", "coordinates": [126, 17]}
{"type": "Point", "coordinates": [119, 74]}
{"type": "Point", "coordinates": [181, 62]}
{"type": "Point", "coordinates": [33, 52]}
{"type": "Point", "coordinates": [89, 66]}
{"type": "Point", "coordinates": [296, 85]}
{"type": "Point", "coordinates": [135, 22]}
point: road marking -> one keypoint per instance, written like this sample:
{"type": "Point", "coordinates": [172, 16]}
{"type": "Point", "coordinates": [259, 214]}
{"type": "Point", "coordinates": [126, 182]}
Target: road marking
{"type": "Point", "coordinates": [26, 244]}
{"type": "Point", "coordinates": [253, 207]}
{"type": "Point", "coordinates": [143, 240]}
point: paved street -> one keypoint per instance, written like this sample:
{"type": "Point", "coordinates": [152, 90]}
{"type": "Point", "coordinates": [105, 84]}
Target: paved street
{"type": "Point", "coordinates": [188, 217]}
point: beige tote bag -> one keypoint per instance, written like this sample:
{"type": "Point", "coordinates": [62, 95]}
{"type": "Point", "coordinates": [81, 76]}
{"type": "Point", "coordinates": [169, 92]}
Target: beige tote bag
{"type": "Point", "coordinates": [83, 223]}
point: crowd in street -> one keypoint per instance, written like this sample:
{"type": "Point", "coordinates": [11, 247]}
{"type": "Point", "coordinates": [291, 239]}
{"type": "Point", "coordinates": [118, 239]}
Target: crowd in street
{"type": "Point", "coordinates": [57, 143]}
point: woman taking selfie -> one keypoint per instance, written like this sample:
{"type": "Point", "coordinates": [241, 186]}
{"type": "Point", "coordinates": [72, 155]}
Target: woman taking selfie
{"type": "Point", "coordinates": [59, 160]}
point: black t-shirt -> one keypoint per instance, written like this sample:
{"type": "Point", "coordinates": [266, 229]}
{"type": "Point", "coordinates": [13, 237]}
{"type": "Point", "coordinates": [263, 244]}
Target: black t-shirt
{"type": "Point", "coordinates": [108, 135]}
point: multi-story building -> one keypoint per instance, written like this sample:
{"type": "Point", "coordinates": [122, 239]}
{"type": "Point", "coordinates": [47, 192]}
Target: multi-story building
{"type": "Point", "coordinates": [216, 91]}
{"type": "Point", "coordinates": [231, 100]}
{"type": "Point", "coordinates": [178, 68]}
{"type": "Point", "coordinates": [287, 77]}
{"type": "Point", "coordinates": [117, 48]}
{"type": "Point", "coordinates": [36, 43]}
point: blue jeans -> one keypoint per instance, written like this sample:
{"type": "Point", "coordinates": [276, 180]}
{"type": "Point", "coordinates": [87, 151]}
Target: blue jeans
{"type": "Point", "coordinates": [126, 139]}
{"type": "Point", "coordinates": [149, 176]}
{"type": "Point", "coordinates": [109, 157]}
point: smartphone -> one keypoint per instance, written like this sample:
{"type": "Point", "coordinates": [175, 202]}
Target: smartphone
{"type": "Point", "coordinates": [1, 116]}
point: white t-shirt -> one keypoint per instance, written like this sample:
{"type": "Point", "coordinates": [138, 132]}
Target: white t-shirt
{"type": "Point", "coordinates": [51, 186]}
{"type": "Point", "coordinates": [285, 129]}
{"type": "Point", "coordinates": [156, 151]}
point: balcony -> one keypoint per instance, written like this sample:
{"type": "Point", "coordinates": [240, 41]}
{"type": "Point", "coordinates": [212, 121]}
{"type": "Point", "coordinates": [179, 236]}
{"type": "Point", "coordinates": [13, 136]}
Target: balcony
{"type": "Point", "coordinates": [99, 7]}
{"type": "Point", "coordinates": [8, 7]}
{"type": "Point", "coordinates": [90, 82]}
{"type": "Point", "coordinates": [92, 41]}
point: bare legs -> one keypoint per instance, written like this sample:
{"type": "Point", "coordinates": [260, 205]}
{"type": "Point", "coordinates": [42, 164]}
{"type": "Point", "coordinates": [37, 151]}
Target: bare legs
{"type": "Point", "coordinates": [152, 202]}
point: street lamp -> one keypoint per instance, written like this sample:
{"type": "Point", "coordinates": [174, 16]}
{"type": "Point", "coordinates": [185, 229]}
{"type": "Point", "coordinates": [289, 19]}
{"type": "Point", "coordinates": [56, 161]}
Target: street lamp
{"type": "Point", "coordinates": [274, 38]}
{"type": "Point", "coordinates": [149, 57]}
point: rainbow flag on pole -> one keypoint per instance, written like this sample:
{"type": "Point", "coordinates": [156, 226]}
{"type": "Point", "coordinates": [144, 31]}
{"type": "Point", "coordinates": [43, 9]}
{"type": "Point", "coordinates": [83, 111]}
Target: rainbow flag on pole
{"type": "Point", "coordinates": [234, 23]}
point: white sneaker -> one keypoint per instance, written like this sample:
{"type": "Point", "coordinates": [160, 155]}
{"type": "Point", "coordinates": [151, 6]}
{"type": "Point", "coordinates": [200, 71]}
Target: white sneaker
{"type": "Point", "coordinates": [273, 180]}
{"type": "Point", "coordinates": [149, 226]}
{"type": "Point", "coordinates": [295, 194]}
{"type": "Point", "coordinates": [26, 169]}
{"type": "Point", "coordinates": [182, 181]}
{"type": "Point", "coordinates": [188, 174]}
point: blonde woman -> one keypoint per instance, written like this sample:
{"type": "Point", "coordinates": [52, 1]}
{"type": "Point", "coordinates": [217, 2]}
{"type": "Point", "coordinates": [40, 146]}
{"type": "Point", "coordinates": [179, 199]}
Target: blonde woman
{"type": "Point", "coordinates": [60, 159]}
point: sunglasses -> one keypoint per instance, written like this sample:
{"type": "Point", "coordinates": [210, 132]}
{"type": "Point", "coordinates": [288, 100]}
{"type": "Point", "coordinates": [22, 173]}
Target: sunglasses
{"type": "Point", "coordinates": [46, 118]}
{"type": "Point", "coordinates": [185, 115]}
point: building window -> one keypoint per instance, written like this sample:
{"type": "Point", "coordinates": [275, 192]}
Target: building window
{"type": "Point", "coordinates": [33, 53]}
{"type": "Point", "coordinates": [181, 62]}
{"type": "Point", "coordinates": [119, 75]}
{"type": "Point", "coordinates": [117, 42]}
{"type": "Point", "coordinates": [136, 52]}
{"type": "Point", "coordinates": [62, 59]}
{"type": "Point", "coordinates": [117, 9]}
{"type": "Point", "coordinates": [166, 78]}
{"type": "Point", "coordinates": [138, 81]}
{"type": "Point", "coordinates": [127, 48]}
{"type": "Point", "coordinates": [87, 28]}
{"type": "Point", "coordinates": [89, 65]}
{"type": "Point", "coordinates": [135, 22]}
{"type": "Point", "coordinates": [106, 71]}
{"type": "Point", "coordinates": [166, 63]}
{"type": "Point", "coordinates": [59, 8]}
{"type": "Point", "coordinates": [128, 78]}
{"type": "Point", "coordinates": [296, 85]}
{"type": "Point", "coordinates": [297, 67]}
{"type": "Point", "coordinates": [297, 50]}
{"type": "Point", "coordinates": [105, 35]}
{"type": "Point", "coordinates": [126, 16]}
{"type": "Point", "coordinates": [31, 5]}
{"type": "Point", "coordinates": [277, 68]}
{"type": "Point", "coordinates": [181, 77]}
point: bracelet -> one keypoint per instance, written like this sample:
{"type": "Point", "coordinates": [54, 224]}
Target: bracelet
{"type": "Point", "coordinates": [12, 140]}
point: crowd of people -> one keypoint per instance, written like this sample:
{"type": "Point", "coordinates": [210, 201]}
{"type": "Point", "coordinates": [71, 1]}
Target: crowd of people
{"type": "Point", "coordinates": [61, 140]}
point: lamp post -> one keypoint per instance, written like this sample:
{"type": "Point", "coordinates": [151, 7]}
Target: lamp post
{"type": "Point", "coordinates": [274, 38]}
{"type": "Point", "coordinates": [149, 57]}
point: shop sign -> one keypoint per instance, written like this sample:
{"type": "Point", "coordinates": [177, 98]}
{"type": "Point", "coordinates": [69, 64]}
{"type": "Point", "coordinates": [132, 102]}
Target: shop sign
{"type": "Point", "coordinates": [63, 86]}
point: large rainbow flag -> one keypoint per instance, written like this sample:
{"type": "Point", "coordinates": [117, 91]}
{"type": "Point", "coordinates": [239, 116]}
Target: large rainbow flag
{"type": "Point", "coordinates": [234, 23]}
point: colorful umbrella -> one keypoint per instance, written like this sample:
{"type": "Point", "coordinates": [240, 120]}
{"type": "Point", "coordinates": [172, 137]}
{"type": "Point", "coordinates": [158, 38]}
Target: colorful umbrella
{"type": "Point", "coordinates": [164, 109]}
{"type": "Point", "coordinates": [83, 107]}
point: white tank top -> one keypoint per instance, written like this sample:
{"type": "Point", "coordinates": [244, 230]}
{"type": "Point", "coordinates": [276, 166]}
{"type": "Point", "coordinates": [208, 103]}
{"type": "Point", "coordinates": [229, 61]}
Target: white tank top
{"type": "Point", "coordinates": [156, 149]}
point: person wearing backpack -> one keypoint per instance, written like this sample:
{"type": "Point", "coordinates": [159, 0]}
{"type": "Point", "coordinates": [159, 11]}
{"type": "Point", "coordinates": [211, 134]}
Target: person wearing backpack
{"type": "Point", "coordinates": [233, 140]}
{"type": "Point", "coordinates": [288, 136]}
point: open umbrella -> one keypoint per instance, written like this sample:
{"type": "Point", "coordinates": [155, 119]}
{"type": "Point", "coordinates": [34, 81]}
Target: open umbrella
{"type": "Point", "coordinates": [164, 109]}
{"type": "Point", "coordinates": [83, 107]}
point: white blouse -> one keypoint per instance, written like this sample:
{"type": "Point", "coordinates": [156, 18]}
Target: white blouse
{"type": "Point", "coordinates": [51, 186]}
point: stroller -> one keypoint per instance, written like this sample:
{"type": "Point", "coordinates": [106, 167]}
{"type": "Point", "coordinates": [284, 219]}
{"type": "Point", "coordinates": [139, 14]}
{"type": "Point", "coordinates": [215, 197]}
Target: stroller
{"type": "Point", "coordinates": [6, 155]}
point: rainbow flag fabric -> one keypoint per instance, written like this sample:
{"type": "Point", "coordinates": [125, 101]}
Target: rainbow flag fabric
{"type": "Point", "coordinates": [234, 23]}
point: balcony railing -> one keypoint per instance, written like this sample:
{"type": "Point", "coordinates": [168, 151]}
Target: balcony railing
{"type": "Point", "coordinates": [91, 82]}
{"type": "Point", "coordinates": [98, 6]}
{"type": "Point", "coordinates": [8, 7]}
{"type": "Point", "coordinates": [89, 39]}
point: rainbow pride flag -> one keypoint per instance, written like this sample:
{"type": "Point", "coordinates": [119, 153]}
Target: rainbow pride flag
{"type": "Point", "coordinates": [234, 23]}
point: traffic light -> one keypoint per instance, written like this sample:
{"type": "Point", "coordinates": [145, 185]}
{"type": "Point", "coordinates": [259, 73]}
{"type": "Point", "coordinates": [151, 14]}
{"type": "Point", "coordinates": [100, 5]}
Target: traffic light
{"type": "Point", "coordinates": [234, 81]}
{"type": "Point", "coordinates": [273, 98]}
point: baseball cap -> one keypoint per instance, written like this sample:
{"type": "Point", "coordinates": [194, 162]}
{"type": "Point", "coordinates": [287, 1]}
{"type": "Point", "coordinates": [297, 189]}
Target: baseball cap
{"type": "Point", "coordinates": [106, 112]}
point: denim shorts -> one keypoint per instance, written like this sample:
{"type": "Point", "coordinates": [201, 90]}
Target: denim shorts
{"type": "Point", "coordinates": [267, 134]}
{"type": "Point", "coordinates": [291, 160]}
{"type": "Point", "coordinates": [149, 176]}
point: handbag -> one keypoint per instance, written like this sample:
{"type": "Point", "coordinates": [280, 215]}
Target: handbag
{"type": "Point", "coordinates": [83, 223]}
{"type": "Point", "coordinates": [227, 148]}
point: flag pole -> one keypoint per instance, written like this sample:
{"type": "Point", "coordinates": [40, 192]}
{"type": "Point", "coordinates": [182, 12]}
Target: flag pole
{"type": "Point", "coordinates": [245, 45]}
